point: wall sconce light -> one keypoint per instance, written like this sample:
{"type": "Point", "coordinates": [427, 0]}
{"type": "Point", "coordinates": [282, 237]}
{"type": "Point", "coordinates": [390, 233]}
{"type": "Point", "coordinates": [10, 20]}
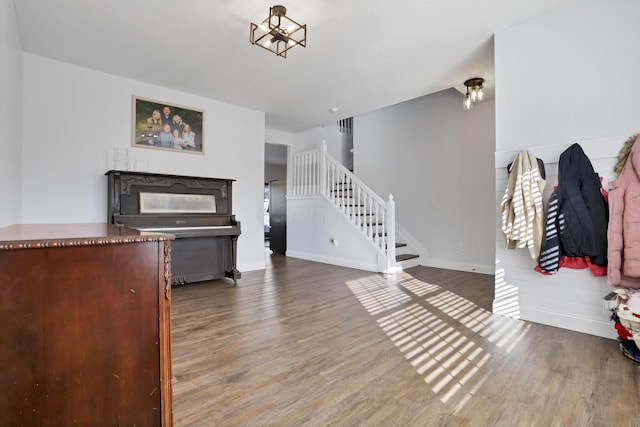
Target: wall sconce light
{"type": "Point", "coordinates": [278, 33]}
{"type": "Point", "coordinates": [474, 92]}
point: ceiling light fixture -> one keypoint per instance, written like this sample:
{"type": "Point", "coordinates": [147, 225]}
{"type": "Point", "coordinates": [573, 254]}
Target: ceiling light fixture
{"type": "Point", "coordinates": [474, 92]}
{"type": "Point", "coordinates": [278, 33]}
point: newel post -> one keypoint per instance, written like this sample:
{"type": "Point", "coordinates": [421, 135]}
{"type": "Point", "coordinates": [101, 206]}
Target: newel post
{"type": "Point", "coordinates": [391, 234]}
{"type": "Point", "coordinates": [323, 169]}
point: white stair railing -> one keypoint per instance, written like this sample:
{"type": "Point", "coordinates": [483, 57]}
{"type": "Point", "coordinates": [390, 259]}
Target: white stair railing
{"type": "Point", "coordinates": [315, 172]}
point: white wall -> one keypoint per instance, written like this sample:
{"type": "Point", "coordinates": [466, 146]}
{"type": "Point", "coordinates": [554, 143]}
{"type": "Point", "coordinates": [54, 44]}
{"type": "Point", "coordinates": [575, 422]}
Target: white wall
{"type": "Point", "coordinates": [338, 144]}
{"type": "Point", "coordinates": [275, 136]}
{"type": "Point", "coordinates": [73, 116]}
{"type": "Point", "coordinates": [582, 64]}
{"type": "Point", "coordinates": [307, 140]}
{"type": "Point", "coordinates": [11, 115]}
{"type": "Point", "coordinates": [437, 161]}
{"type": "Point", "coordinates": [583, 69]}
{"type": "Point", "coordinates": [310, 139]}
{"type": "Point", "coordinates": [316, 231]}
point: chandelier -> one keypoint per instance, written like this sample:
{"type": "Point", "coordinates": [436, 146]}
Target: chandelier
{"type": "Point", "coordinates": [474, 92]}
{"type": "Point", "coordinates": [278, 33]}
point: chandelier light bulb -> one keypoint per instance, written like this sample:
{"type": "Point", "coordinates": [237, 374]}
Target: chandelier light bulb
{"type": "Point", "coordinates": [475, 92]}
{"type": "Point", "coordinates": [467, 102]}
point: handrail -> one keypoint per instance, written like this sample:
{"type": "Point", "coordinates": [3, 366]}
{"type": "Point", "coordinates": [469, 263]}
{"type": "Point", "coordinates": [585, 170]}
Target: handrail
{"type": "Point", "coordinates": [315, 172]}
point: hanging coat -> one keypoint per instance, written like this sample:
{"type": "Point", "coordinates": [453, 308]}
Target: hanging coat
{"type": "Point", "coordinates": [521, 206]}
{"type": "Point", "coordinates": [624, 223]}
{"type": "Point", "coordinates": [578, 226]}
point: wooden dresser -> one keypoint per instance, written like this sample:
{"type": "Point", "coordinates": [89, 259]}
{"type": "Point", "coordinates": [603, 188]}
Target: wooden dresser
{"type": "Point", "coordinates": [85, 312]}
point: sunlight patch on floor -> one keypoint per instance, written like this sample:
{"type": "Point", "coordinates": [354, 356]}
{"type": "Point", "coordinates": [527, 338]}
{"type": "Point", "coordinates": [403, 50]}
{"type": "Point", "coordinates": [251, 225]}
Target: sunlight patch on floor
{"type": "Point", "coordinates": [445, 337]}
{"type": "Point", "coordinates": [375, 294]}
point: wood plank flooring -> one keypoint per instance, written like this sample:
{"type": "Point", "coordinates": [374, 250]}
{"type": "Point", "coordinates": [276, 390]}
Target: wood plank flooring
{"type": "Point", "coordinates": [309, 344]}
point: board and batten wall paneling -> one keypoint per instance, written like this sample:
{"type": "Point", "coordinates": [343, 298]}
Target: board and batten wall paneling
{"type": "Point", "coordinates": [569, 299]}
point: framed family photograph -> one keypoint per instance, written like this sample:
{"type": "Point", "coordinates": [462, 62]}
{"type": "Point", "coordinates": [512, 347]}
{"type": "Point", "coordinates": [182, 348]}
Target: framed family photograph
{"type": "Point", "coordinates": [164, 126]}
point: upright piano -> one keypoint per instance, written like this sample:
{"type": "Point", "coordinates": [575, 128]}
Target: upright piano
{"type": "Point", "coordinates": [196, 210]}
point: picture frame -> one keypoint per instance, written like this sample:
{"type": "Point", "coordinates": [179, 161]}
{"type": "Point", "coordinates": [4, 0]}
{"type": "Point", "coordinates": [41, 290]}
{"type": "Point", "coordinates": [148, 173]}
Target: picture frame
{"type": "Point", "coordinates": [182, 130]}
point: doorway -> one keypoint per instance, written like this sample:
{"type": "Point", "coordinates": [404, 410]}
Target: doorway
{"type": "Point", "coordinates": [278, 217]}
{"type": "Point", "coordinates": [275, 215]}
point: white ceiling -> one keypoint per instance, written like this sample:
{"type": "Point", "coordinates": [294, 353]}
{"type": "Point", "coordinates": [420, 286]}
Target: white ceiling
{"type": "Point", "coordinates": [361, 54]}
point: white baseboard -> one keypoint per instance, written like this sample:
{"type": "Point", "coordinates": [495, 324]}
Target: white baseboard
{"type": "Point", "coordinates": [334, 261]}
{"type": "Point", "coordinates": [251, 266]}
{"type": "Point", "coordinates": [459, 266]}
{"type": "Point", "coordinates": [569, 322]}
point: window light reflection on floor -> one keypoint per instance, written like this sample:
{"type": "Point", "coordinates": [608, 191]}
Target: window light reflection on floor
{"type": "Point", "coordinates": [445, 337]}
{"type": "Point", "coordinates": [506, 301]}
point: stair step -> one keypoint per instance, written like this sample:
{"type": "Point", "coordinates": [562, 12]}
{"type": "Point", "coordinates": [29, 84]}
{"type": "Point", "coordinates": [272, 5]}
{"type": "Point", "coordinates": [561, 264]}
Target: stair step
{"type": "Point", "coordinates": [399, 245]}
{"type": "Point", "coordinates": [404, 257]}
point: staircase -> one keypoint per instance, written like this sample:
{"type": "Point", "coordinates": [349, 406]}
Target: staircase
{"type": "Point", "coordinates": [404, 257]}
{"type": "Point", "coordinates": [315, 172]}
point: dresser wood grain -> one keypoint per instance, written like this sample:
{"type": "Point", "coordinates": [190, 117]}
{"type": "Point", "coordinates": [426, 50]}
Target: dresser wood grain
{"type": "Point", "coordinates": [84, 326]}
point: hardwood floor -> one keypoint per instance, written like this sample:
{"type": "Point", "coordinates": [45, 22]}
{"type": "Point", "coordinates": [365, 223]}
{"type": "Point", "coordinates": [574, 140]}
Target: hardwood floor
{"type": "Point", "coordinates": [304, 343]}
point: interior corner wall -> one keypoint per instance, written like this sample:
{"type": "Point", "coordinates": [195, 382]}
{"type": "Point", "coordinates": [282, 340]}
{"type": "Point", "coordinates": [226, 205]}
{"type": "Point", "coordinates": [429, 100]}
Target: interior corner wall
{"type": "Point", "coordinates": [11, 115]}
{"type": "Point", "coordinates": [437, 160]}
{"type": "Point", "coordinates": [336, 142]}
{"type": "Point", "coordinates": [565, 77]}
{"type": "Point", "coordinates": [309, 139]}
{"type": "Point", "coordinates": [275, 136]}
{"type": "Point", "coordinates": [73, 116]}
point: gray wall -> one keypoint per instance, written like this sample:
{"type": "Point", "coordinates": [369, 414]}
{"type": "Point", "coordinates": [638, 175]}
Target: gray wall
{"type": "Point", "coordinates": [11, 116]}
{"type": "Point", "coordinates": [437, 161]}
{"type": "Point", "coordinates": [275, 172]}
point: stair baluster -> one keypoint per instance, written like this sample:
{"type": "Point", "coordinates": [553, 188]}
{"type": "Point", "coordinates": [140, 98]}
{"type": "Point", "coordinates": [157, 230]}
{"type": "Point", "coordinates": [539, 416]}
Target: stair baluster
{"type": "Point", "coordinates": [315, 172]}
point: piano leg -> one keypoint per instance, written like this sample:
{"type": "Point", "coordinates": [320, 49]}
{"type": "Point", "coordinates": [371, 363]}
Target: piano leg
{"type": "Point", "coordinates": [234, 273]}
